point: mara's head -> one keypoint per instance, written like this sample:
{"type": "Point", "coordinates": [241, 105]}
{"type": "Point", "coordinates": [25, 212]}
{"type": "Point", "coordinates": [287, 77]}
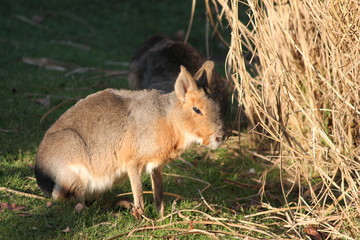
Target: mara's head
{"type": "Point", "coordinates": [199, 115]}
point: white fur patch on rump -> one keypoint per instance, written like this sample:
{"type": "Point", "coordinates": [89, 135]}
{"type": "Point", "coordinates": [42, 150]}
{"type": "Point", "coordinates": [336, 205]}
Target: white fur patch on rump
{"type": "Point", "coordinates": [96, 184]}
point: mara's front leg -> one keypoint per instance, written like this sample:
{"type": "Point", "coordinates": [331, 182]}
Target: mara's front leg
{"type": "Point", "coordinates": [157, 186]}
{"type": "Point", "coordinates": [135, 180]}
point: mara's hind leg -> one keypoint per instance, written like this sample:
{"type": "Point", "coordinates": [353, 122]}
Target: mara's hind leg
{"type": "Point", "coordinates": [59, 156]}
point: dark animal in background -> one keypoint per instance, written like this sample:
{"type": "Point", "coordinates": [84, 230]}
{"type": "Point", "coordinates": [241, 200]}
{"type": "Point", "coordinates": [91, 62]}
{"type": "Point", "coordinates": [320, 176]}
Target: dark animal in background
{"type": "Point", "coordinates": [156, 65]}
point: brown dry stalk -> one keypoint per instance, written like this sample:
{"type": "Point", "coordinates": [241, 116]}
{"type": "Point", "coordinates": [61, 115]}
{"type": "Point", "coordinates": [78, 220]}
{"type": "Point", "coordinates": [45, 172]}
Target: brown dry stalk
{"type": "Point", "coordinates": [192, 178]}
{"type": "Point", "coordinates": [217, 221]}
{"type": "Point", "coordinates": [197, 231]}
{"type": "Point", "coordinates": [229, 224]}
{"type": "Point", "coordinates": [21, 193]}
{"type": "Point", "coordinates": [30, 22]}
{"type": "Point", "coordinates": [58, 106]}
{"type": "Point", "coordinates": [191, 21]}
{"type": "Point", "coordinates": [190, 223]}
{"type": "Point", "coordinates": [276, 210]}
{"type": "Point", "coordinates": [152, 192]}
{"type": "Point", "coordinates": [182, 232]}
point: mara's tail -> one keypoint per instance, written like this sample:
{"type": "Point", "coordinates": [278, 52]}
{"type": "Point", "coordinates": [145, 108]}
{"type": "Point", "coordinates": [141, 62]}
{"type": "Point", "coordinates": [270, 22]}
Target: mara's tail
{"type": "Point", "coordinates": [44, 181]}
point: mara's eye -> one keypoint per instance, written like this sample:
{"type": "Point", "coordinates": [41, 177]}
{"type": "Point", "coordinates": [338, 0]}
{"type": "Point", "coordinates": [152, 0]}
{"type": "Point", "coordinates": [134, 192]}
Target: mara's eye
{"type": "Point", "coordinates": [197, 110]}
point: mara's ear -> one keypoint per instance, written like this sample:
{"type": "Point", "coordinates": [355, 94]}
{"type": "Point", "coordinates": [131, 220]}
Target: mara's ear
{"type": "Point", "coordinates": [184, 83]}
{"type": "Point", "coordinates": [208, 68]}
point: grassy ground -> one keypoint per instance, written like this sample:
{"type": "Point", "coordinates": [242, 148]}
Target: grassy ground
{"type": "Point", "coordinates": [106, 31]}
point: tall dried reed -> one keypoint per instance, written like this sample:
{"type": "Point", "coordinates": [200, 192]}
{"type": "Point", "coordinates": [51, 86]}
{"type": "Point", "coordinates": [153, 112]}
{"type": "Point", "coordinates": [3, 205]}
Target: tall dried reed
{"type": "Point", "coordinates": [303, 102]}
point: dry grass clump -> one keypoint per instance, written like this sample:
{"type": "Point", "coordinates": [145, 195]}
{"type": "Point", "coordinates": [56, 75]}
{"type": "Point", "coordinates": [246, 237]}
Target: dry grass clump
{"type": "Point", "coordinates": [303, 102]}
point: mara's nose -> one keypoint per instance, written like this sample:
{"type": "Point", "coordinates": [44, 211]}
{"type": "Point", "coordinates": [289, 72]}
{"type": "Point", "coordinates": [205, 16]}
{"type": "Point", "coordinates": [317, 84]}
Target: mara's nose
{"type": "Point", "coordinates": [221, 135]}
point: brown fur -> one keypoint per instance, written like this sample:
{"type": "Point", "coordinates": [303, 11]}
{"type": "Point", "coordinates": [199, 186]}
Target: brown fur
{"type": "Point", "coordinates": [112, 135]}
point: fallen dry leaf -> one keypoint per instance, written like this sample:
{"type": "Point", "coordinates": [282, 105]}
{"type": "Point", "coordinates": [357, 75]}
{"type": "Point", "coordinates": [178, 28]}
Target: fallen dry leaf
{"type": "Point", "coordinates": [38, 18]}
{"type": "Point", "coordinates": [49, 63]}
{"type": "Point", "coordinates": [66, 230]}
{"type": "Point", "coordinates": [11, 207]}
{"type": "Point", "coordinates": [191, 226]}
{"type": "Point", "coordinates": [44, 101]}
{"type": "Point", "coordinates": [79, 207]}
{"type": "Point", "coordinates": [48, 204]}
{"type": "Point", "coordinates": [32, 22]}
{"type": "Point", "coordinates": [313, 233]}
{"type": "Point", "coordinates": [3, 206]}
{"type": "Point", "coordinates": [24, 214]}
{"type": "Point", "coordinates": [125, 204]}
{"type": "Point", "coordinates": [15, 207]}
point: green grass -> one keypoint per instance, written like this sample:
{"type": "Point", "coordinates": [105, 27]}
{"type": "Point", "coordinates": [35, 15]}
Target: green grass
{"type": "Point", "coordinates": [113, 30]}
